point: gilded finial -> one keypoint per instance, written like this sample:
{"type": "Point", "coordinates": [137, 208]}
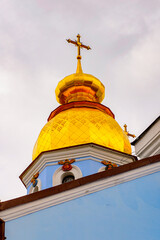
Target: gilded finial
{"type": "Point", "coordinates": [127, 133]}
{"type": "Point", "coordinates": [79, 86]}
{"type": "Point", "coordinates": [79, 45]}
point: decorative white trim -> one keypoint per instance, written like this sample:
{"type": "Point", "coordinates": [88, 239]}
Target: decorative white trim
{"type": "Point", "coordinates": [102, 169]}
{"type": "Point", "coordinates": [85, 152]}
{"type": "Point", "coordinates": [148, 143]}
{"type": "Point", "coordinates": [38, 185]}
{"type": "Point", "coordinates": [149, 147]}
{"type": "Point", "coordinates": [80, 191]}
{"type": "Point", "coordinates": [60, 174]}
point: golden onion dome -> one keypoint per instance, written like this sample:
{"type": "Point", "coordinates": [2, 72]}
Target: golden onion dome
{"type": "Point", "coordinates": [81, 118]}
{"type": "Point", "coordinates": [79, 87]}
{"type": "Point", "coordinates": [79, 125]}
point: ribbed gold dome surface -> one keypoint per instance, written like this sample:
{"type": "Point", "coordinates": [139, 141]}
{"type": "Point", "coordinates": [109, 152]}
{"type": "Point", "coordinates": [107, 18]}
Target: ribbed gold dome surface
{"type": "Point", "coordinates": [78, 126]}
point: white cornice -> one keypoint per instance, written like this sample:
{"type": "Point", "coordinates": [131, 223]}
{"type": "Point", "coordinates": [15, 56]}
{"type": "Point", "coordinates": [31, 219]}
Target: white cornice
{"type": "Point", "coordinates": [86, 189]}
{"type": "Point", "coordinates": [148, 148]}
{"type": "Point", "coordinates": [149, 141]}
{"type": "Point", "coordinates": [85, 152]}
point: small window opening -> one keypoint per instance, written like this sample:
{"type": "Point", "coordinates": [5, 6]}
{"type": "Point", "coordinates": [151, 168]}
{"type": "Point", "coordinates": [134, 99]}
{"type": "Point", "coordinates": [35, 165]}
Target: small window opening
{"type": "Point", "coordinates": [68, 178]}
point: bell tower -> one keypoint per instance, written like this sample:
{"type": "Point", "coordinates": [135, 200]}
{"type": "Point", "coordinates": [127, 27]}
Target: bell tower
{"type": "Point", "coordinates": [81, 134]}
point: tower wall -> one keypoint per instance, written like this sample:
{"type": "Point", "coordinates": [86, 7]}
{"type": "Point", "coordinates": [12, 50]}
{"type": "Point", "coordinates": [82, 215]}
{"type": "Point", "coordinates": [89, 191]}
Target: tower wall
{"type": "Point", "coordinates": [127, 211]}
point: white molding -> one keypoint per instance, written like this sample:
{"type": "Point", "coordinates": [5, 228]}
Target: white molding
{"type": "Point", "coordinates": [85, 152]}
{"type": "Point", "coordinates": [149, 141]}
{"type": "Point", "coordinates": [80, 191]}
{"type": "Point", "coordinates": [102, 169]}
{"type": "Point", "coordinates": [149, 147]}
{"type": "Point", "coordinates": [60, 174]}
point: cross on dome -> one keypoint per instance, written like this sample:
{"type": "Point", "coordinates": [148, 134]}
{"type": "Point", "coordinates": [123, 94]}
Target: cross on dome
{"type": "Point", "coordinates": [127, 133]}
{"type": "Point", "coordinates": [79, 45]}
{"type": "Point", "coordinates": [79, 86]}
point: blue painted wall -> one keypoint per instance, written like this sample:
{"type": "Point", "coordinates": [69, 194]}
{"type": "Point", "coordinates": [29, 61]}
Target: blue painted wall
{"type": "Point", "coordinates": [87, 167]}
{"type": "Point", "coordinates": [129, 211]}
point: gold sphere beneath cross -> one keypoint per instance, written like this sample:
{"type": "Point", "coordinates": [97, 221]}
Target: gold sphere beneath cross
{"type": "Point", "coordinates": [80, 86]}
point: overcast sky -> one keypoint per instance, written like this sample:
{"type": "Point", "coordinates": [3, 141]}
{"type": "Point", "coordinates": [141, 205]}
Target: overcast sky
{"type": "Point", "coordinates": [34, 56]}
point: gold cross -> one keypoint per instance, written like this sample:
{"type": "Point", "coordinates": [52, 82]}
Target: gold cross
{"type": "Point", "coordinates": [127, 133]}
{"type": "Point", "coordinates": [79, 45]}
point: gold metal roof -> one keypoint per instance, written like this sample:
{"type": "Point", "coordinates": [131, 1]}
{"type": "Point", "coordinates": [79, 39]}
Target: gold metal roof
{"type": "Point", "coordinates": [76, 126]}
